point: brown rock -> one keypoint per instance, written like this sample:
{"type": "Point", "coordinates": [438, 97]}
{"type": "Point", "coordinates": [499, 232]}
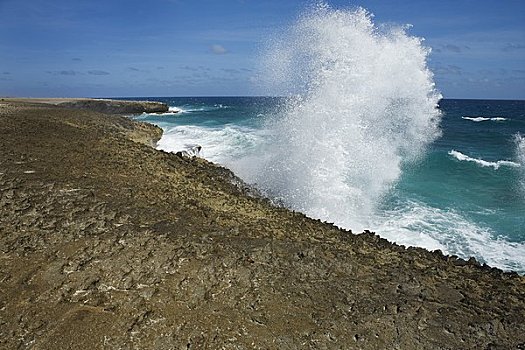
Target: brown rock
{"type": "Point", "coordinates": [107, 243]}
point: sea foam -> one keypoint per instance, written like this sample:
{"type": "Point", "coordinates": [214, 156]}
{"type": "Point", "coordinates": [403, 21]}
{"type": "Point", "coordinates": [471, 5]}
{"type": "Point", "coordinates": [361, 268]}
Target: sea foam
{"type": "Point", "coordinates": [176, 110]}
{"type": "Point", "coordinates": [219, 145]}
{"type": "Point", "coordinates": [362, 105]}
{"type": "Point", "coordinates": [496, 165]}
{"type": "Point", "coordinates": [194, 109]}
{"type": "Point", "coordinates": [484, 119]}
{"type": "Point", "coordinates": [417, 224]}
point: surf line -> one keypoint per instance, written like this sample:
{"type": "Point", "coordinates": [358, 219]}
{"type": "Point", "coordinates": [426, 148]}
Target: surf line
{"type": "Point", "coordinates": [496, 165]}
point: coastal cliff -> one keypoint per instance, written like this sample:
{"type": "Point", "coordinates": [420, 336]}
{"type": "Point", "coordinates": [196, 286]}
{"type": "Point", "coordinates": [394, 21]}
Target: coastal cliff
{"type": "Point", "coordinates": [108, 243]}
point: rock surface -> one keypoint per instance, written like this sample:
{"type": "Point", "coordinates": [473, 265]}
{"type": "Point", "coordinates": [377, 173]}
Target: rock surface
{"type": "Point", "coordinates": [118, 107]}
{"type": "Point", "coordinates": [107, 243]}
{"type": "Point", "coordinates": [107, 106]}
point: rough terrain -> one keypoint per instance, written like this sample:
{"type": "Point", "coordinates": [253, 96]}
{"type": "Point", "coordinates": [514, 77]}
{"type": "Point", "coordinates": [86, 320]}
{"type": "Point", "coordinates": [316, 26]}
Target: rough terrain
{"type": "Point", "coordinates": [107, 106]}
{"type": "Point", "coordinates": [107, 243]}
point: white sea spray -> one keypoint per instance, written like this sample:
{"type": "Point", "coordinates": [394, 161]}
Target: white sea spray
{"type": "Point", "coordinates": [362, 104]}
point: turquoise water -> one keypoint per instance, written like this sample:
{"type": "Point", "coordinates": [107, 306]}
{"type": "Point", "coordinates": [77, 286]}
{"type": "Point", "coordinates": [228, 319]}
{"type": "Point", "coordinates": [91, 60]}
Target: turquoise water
{"type": "Point", "coordinates": [488, 194]}
{"type": "Point", "coordinates": [465, 195]}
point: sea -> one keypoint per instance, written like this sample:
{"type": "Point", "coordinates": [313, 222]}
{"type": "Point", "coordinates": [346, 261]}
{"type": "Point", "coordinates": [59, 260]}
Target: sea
{"type": "Point", "coordinates": [362, 137]}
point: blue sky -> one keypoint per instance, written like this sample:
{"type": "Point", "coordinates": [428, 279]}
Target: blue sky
{"type": "Point", "coordinates": [197, 47]}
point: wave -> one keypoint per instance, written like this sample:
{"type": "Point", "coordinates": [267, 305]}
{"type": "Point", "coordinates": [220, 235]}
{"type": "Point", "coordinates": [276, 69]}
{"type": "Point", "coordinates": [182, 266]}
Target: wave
{"type": "Point", "coordinates": [362, 104]}
{"type": "Point", "coordinates": [219, 145]}
{"type": "Point", "coordinates": [173, 109]}
{"type": "Point", "coordinates": [166, 114]}
{"type": "Point", "coordinates": [484, 119]}
{"type": "Point", "coordinates": [496, 165]}
{"type": "Point", "coordinates": [172, 112]}
{"type": "Point", "coordinates": [416, 224]}
{"type": "Point", "coordinates": [178, 110]}
{"type": "Point", "coordinates": [193, 109]}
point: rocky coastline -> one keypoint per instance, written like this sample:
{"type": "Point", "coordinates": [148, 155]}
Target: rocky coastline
{"type": "Point", "coordinates": [107, 243]}
{"type": "Point", "coordinates": [107, 106]}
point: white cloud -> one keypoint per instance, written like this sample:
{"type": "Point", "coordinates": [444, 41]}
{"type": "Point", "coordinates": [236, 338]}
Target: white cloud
{"type": "Point", "coordinates": [218, 49]}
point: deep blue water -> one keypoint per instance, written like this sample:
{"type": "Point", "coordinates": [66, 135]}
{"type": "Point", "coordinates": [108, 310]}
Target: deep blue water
{"type": "Point", "coordinates": [466, 195]}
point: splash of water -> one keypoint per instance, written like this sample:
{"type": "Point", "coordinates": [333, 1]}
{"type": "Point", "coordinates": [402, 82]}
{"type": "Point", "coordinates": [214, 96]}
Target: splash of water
{"type": "Point", "coordinates": [365, 105]}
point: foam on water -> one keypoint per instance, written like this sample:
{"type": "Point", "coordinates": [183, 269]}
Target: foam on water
{"type": "Point", "coordinates": [193, 108]}
{"type": "Point", "coordinates": [219, 145]}
{"type": "Point", "coordinates": [417, 224]}
{"type": "Point", "coordinates": [175, 110]}
{"type": "Point", "coordinates": [365, 106]}
{"type": "Point", "coordinates": [484, 119]}
{"type": "Point", "coordinates": [496, 165]}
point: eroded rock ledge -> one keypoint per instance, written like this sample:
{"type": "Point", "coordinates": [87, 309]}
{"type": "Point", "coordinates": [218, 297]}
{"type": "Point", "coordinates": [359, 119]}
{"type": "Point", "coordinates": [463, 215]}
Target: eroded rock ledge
{"type": "Point", "coordinates": [107, 243]}
{"type": "Point", "coordinates": [107, 106]}
{"type": "Point", "coordinates": [118, 106]}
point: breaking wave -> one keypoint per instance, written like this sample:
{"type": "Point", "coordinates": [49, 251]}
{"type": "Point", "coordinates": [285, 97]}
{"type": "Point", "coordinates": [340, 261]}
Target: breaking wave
{"type": "Point", "coordinates": [218, 144]}
{"type": "Point", "coordinates": [417, 224]}
{"type": "Point", "coordinates": [362, 105]}
{"type": "Point", "coordinates": [496, 165]}
{"type": "Point", "coordinates": [484, 119]}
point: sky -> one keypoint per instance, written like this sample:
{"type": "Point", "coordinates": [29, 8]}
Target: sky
{"type": "Point", "coordinates": [124, 48]}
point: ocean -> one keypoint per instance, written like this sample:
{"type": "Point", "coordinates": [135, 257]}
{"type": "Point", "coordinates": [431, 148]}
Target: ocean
{"type": "Point", "coordinates": [363, 139]}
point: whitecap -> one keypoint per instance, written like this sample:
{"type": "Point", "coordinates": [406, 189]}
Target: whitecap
{"type": "Point", "coordinates": [484, 119]}
{"type": "Point", "coordinates": [496, 165]}
{"type": "Point", "coordinates": [194, 108]}
{"type": "Point", "coordinates": [220, 144]}
{"type": "Point", "coordinates": [417, 224]}
{"type": "Point", "coordinates": [172, 112]}
{"type": "Point", "coordinates": [174, 109]}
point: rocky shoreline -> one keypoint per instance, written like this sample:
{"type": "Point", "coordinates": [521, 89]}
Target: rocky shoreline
{"type": "Point", "coordinates": [107, 106]}
{"type": "Point", "coordinates": [107, 243]}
